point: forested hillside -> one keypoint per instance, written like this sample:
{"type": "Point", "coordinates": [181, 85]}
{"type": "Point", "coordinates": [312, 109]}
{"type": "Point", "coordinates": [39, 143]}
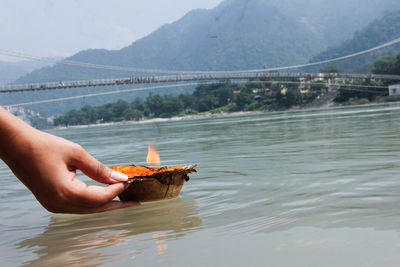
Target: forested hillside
{"type": "Point", "coordinates": [235, 35]}
{"type": "Point", "coordinates": [378, 32]}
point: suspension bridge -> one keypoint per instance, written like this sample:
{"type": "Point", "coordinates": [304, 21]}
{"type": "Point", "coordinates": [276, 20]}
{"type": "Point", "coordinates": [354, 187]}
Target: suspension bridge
{"type": "Point", "coordinates": [173, 78]}
{"type": "Point", "coordinates": [331, 78]}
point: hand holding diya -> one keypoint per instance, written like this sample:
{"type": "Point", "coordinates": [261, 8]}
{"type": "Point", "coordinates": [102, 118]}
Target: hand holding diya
{"type": "Point", "coordinates": [149, 184]}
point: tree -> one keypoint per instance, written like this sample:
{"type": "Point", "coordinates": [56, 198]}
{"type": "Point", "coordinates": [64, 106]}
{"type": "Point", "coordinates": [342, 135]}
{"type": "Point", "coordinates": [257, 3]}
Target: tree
{"type": "Point", "coordinates": [119, 108]}
{"type": "Point", "coordinates": [385, 65]}
{"type": "Point", "coordinates": [164, 106]}
{"type": "Point", "coordinates": [171, 106]}
{"type": "Point", "coordinates": [188, 100]}
{"type": "Point", "coordinates": [206, 103]}
{"type": "Point", "coordinates": [131, 114]}
{"type": "Point", "coordinates": [224, 94]}
{"type": "Point", "coordinates": [92, 113]}
{"type": "Point", "coordinates": [107, 113]}
{"type": "Point", "coordinates": [154, 102]}
{"type": "Point", "coordinates": [293, 97]}
{"type": "Point", "coordinates": [245, 97]}
{"type": "Point", "coordinates": [138, 104]}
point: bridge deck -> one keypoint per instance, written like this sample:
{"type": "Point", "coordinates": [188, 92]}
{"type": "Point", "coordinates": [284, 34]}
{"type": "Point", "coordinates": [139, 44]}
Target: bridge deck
{"type": "Point", "coordinates": [9, 88]}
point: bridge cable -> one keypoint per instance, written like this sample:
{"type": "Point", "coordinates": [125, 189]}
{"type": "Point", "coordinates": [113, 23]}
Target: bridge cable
{"type": "Point", "coordinates": [101, 94]}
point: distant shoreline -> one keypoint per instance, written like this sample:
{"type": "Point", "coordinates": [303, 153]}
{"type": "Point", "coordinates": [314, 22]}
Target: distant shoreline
{"type": "Point", "coordinates": [203, 116]}
{"type": "Point", "coordinates": [189, 117]}
{"type": "Point", "coordinates": [153, 120]}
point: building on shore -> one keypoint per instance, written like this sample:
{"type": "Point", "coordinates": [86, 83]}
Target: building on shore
{"type": "Point", "coordinates": [394, 92]}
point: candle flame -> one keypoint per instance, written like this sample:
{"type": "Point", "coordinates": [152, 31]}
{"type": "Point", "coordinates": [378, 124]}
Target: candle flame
{"type": "Point", "coordinates": [153, 158]}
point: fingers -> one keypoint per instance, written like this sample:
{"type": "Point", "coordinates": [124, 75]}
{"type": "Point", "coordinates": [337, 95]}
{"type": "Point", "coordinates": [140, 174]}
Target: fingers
{"type": "Point", "coordinates": [92, 199]}
{"type": "Point", "coordinates": [100, 198]}
{"type": "Point", "coordinates": [95, 169]}
{"type": "Point", "coordinates": [100, 194]}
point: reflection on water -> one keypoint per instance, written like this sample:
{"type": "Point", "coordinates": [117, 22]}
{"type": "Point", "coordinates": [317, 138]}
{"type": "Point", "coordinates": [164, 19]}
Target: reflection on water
{"type": "Point", "coordinates": [91, 239]}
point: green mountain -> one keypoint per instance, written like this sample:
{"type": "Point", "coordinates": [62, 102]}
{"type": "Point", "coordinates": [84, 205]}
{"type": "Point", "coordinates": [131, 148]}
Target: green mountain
{"type": "Point", "coordinates": [380, 31]}
{"type": "Point", "coordinates": [237, 34]}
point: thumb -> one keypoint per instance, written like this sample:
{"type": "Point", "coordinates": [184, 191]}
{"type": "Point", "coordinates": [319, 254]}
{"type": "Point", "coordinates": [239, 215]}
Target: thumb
{"type": "Point", "coordinates": [97, 170]}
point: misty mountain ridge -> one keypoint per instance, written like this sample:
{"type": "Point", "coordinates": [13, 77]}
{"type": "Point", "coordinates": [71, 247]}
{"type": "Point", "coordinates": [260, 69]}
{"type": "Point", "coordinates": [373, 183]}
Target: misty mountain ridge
{"type": "Point", "coordinates": [380, 31]}
{"type": "Point", "coordinates": [11, 71]}
{"type": "Point", "coordinates": [237, 34]}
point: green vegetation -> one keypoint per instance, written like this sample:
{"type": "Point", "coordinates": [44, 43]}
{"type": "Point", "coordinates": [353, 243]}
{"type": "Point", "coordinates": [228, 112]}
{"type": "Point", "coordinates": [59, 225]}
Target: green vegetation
{"type": "Point", "coordinates": [257, 94]}
{"type": "Point", "coordinates": [387, 65]}
{"type": "Point", "coordinates": [362, 95]}
{"type": "Point", "coordinates": [253, 95]}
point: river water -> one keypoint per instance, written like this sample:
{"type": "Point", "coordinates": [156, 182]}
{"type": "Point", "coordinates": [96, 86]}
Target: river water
{"type": "Point", "coordinates": [298, 188]}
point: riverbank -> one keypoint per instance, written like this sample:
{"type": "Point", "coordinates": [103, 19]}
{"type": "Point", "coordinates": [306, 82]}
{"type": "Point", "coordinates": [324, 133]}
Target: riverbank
{"type": "Point", "coordinates": [327, 105]}
{"type": "Point", "coordinates": [157, 120]}
{"type": "Point", "coordinates": [191, 117]}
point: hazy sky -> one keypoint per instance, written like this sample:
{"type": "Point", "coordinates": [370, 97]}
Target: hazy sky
{"type": "Point", "coordinates": [64, 27]}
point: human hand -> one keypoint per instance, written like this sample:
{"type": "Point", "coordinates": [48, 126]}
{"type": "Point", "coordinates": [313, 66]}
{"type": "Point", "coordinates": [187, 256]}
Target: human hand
{"type": "Point", "coordinates": [47, 165]}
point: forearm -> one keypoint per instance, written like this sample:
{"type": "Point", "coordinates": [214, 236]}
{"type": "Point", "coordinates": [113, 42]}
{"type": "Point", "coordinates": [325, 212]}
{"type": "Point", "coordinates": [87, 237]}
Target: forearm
{"type": "Point", "coordinates": [13, 136]}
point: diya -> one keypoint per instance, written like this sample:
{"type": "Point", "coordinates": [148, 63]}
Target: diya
{"type": "Point", "coordinates": [150, 184]}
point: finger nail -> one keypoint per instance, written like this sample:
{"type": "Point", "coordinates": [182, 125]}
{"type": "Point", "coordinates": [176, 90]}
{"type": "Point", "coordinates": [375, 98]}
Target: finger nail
{"type": "Point", "coordinates": [118, 176]}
